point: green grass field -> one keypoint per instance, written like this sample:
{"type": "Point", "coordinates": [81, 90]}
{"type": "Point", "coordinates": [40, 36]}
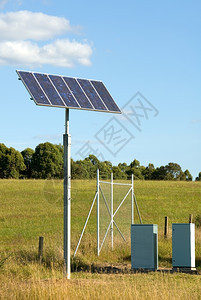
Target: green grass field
{"type": "Point", "coordinates": [33, 208]}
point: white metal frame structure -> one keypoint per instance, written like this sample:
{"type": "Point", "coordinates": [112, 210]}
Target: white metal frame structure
{"type": "Point", "coordinates": [110, 210]}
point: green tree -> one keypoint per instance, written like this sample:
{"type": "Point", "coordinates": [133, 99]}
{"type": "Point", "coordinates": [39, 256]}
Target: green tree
{"type": "Point", "coordinates": [135, 164]}
{"type": "Point", "coordinates": [94, 160]}
{"type": "Point", "coordinates": [105, 169]}
{"type": "Point", "coordinates": [91, 164]}
{"type": "Point", "coordinates": [135, 169]}
{"type": "Point", "coordinates": [80, 169]}
{"type": "Point", "coordinates": [188, 175]}
{"type": "Point", "coordinates": [159, 173]}
{"type": "Point", "coordinates": [3, 164]}
{"type": "Point", "coordinates": [136, 173]}
{"type": "Point", "coordinates": [173, 171]}
{"type": "Point", "coordinates": [124, 168]}
{"type": "Point", "coordinates": [118, 174]}
{"type": "Point", "coordinates": [182, 176]}
{"type": "Point", "coordinates": [60, 148]}
{"type": "Point", "coordinates": [87, 168]}
{"type": "Point", "coordinates": [47, 161]}
{"type": "Point", "coordinates": [11, 162]}
{"type": "Point", "coordinates": [199, 177]}
{"type": "Point", "coordinates": [27, 155]}
{"type": "Point", "coordinates": [148, 171]}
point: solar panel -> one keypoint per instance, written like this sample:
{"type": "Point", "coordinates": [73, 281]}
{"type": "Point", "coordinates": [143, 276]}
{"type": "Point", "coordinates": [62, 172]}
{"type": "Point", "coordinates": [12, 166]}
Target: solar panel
{"type": "Point", "coordinates": [64, 91]}
{"type": "Point", "coordinates": [92, 94]}
{"type": "Point", "coordinates": [49, 89]}
{"type": "Point", "coordinates": [78, 93]}
{"type": "Point", "coordinates": [104, 94]}
{"type": "Point", "coordinates": [33, 88]}
{"type": "Point", "coordinates": [68, 92]}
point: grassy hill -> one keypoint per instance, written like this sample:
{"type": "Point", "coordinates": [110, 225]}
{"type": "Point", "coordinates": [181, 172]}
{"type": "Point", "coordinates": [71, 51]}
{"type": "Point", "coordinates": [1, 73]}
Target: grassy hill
{"type": "Point", "coordinates": [33, 208]}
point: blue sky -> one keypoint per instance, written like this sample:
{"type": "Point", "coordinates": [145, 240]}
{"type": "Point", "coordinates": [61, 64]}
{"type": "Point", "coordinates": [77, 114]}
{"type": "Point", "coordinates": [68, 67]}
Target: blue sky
{"type": "Point", "coordinates": [146, 52]}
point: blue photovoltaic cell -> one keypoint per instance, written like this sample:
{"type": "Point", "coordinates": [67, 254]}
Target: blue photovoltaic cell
{"type": "Point", "coordinates": [33, 88]}
{"type": "Point", "coordinates": [49, 89]}
{"type": "Point", "coordinates": [104, 94]}
{"type": "Point", "coordinates": [78, 93]}
{"type": "Point", "coordinates": [64, 91]}
{"type": "Point", "coordinates": [68, 92]}
{"type": "Point", "coordinates": [91, 94]}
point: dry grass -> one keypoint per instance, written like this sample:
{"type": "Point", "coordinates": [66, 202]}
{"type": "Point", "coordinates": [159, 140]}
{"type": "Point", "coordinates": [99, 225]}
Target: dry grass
{"type": "Point", "coordinates": [93, 286]}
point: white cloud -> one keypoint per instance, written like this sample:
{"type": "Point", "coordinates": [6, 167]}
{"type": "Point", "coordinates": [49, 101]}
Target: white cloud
{"type": "Point", "coordinates": [62, 53]}
{"type": "Point", "coordinates": [66, 53]}
{"type": "Point", "coordinates": [19, 52]}
{"type": "Point", "coordinates": [20, 31]}
{"type": "Point", "coordinates": [23, 25]}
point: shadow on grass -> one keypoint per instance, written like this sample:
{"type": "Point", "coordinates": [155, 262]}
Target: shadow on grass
{"type": "Point", "coordinates": [198, 263]}
{"type": "Point", "coordinates": [79, 265]}
{"type": "Point", "coordinates": [51, 260]}
{"type": "Point", "coordinates": [126, 258]}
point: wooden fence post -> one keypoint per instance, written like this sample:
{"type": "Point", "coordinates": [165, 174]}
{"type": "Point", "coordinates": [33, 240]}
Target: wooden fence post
{"type": "Point", "coordinates": [40, 248]}
{"type": "Point", "coordinates": [190, 218]}
{"type": "Point", "coordinates": [166, 227]}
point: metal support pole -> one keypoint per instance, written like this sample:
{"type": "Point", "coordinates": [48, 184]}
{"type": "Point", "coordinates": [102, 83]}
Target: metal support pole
{"type": "Point", "coordinates": [132, 202]}
{"type": "Point", "coordinates": [98, 237]}
{"type": "Point", "coordinates": [111, 212]}
{"type": "Point", "coordinates": [67, 196]}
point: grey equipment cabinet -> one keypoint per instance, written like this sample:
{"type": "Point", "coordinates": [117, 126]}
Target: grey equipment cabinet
{"type": "Point", "coordinates": [183, 245]}
{"type": "Point", "coordinates": [144, 246]}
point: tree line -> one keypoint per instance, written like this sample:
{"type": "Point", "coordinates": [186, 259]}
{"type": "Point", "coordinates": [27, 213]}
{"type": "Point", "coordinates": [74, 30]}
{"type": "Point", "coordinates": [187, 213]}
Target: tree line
{"type": "Point", "coordinates": [46, 162]}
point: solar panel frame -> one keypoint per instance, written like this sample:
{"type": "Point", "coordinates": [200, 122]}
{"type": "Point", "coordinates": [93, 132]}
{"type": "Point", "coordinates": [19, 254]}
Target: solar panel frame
{"type": "Point", "coordinates": [70, 98]}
